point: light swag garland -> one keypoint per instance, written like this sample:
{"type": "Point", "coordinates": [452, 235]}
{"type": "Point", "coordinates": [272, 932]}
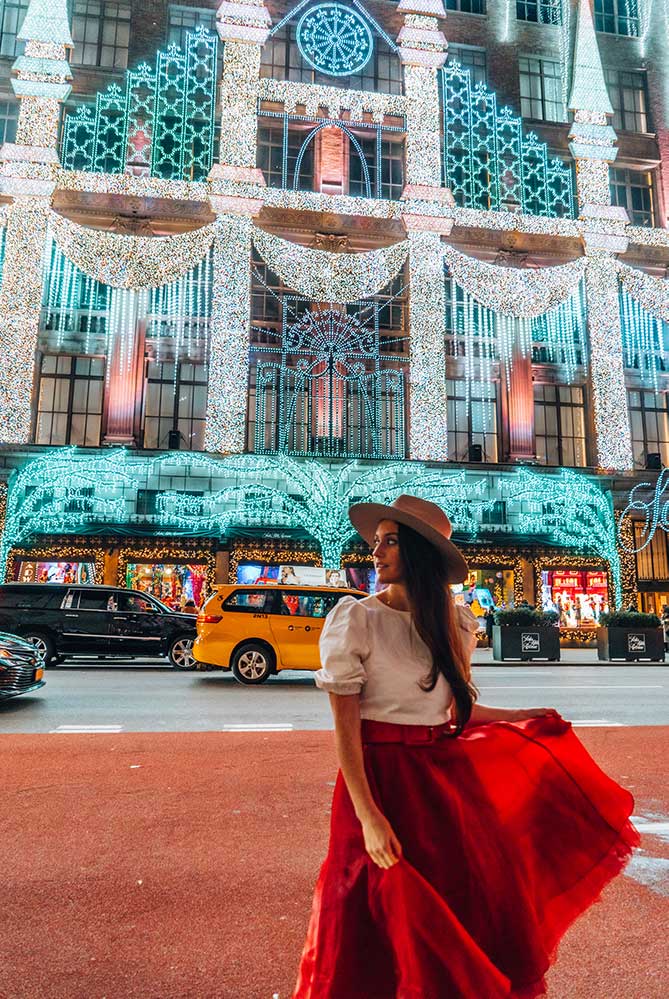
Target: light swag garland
{"type": "Point", "coordinates": [523, 294]}
{"type": "Point", "coordinates": [130, 261]}
{"type": "Point", "coordinates": [651, 293]}
{"type": "Point", "coordinates": [330, 277]}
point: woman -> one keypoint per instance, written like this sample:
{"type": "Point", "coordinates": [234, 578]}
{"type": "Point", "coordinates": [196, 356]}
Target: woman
{"type": "Point", "coordinates": [464, 839]}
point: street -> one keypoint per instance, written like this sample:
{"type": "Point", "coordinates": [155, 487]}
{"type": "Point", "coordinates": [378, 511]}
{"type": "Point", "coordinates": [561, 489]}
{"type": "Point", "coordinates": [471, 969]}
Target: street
{"type": "Point", "coordinates": [161, 832]}
{"type": "Point", "coordinates": [155, 699]}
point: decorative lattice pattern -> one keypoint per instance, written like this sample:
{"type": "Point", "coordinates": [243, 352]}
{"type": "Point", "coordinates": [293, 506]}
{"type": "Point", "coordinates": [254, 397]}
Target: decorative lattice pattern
{"type": "Point", "coordinates": [489, 162]}
{"type": "Point", "coordinates": [161, 122]}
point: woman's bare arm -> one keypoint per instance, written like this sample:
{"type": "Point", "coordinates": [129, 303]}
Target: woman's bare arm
{"type": "Point", "coordinates": [380, 841]}
{"type": "Point", "coordinates": [482, 714]}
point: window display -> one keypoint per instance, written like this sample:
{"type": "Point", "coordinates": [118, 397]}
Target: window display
{"type": "Point", "coordinates": [254, 573]}
{"type": "Point", "coordinates": [580, 596]}
{"type": "Point", "coordinates": [182, 586]}
{"type": "Point", "coordinates": [27, 571]}
{"type": "Point", "coordinates": [486, 589]}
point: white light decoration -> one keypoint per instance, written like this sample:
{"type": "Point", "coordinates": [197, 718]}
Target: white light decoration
{"type": "Point", "coordinates": [644, 337]}
{"type": "Point", "coordinates": [423, 141]}
{"type": "Point", "coordinates": [239, 97]}
{"type": "Point", "coordinates": [511, 291]}
{"type": "Point", "coordinates": [20, 306]}
{"type": "Point", "coordinates": [330, 277]}
{"type": "Point", "coordinates": [130, 261]}
{"type": "Point", "coordinates": [609, 394]}
{"type": "Point", "coordinates": [127, 185]}
{"type": "Point", "coordinates": [428, 431]}
{"type": "Point", "coordinates": [229, 336]}
{"type": "Point", "coordinates": [333, 99]}
{"type": "Point", "coordinates": [651, 293]}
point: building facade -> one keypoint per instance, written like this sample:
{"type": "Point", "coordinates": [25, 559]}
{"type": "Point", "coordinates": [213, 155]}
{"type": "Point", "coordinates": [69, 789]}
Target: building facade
{"type": "Point", "coordinates": [262, 260]}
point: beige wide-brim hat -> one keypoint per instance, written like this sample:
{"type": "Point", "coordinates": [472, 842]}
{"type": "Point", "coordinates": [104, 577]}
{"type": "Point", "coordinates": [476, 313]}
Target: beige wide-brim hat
{"type": "Point", "coordinates": [424, 517]}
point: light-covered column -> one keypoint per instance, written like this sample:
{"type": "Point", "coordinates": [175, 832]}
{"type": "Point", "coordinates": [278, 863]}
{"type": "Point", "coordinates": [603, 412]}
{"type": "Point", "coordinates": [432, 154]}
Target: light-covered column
{"type": "Point", "coordinates": [603, 233]}
{"type": "Point", "coordinates": [28, 176]}
{"type": "Point", "coordinates": [244, 27]}
{"type": "Point", "coordinates": [422, 47]}
{"type": "Point", "coordinates": [428, 439]}
{"type": "Point", "coordinates": [230, 326]}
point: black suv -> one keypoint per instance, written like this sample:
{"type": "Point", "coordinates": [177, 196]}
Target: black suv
{"type": "Point", "coordinates": [96, 620]}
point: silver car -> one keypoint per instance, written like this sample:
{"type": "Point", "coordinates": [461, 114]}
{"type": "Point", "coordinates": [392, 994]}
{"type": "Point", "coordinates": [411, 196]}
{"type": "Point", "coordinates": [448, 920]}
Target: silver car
{"type": "Point", "coordinates": [20, 668]}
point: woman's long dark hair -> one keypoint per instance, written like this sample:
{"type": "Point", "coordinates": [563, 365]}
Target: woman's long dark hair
{"type": "Point", "coordinates": [435, 618]}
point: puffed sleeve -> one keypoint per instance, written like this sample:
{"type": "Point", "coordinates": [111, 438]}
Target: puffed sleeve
{"type": "Point", "coordinates": [344, 646]}
{"type": "Point", "coordinates": [469, 625]}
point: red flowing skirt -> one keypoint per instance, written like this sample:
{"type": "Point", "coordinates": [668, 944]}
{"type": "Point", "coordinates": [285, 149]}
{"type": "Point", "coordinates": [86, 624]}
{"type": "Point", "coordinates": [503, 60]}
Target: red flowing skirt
{"type": "Point", "coordinates": [509, 832]}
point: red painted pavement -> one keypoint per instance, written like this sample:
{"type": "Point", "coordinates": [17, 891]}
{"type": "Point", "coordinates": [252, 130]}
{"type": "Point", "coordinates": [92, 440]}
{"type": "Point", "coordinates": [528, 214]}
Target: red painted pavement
{"type": "Point", "coordinates": [181, 865]}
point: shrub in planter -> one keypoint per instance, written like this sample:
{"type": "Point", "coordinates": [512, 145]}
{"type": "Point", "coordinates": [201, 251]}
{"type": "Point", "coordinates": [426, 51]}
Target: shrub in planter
{"type": "Point", "coordinates": [630, 635]}
{"type": "Point", "coordinates": [526, 633]}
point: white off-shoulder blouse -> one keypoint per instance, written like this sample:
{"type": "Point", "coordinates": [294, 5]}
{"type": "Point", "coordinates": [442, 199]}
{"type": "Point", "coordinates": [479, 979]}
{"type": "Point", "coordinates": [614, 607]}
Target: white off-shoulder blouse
{"type": "Point", "coordinates": [370, 649]}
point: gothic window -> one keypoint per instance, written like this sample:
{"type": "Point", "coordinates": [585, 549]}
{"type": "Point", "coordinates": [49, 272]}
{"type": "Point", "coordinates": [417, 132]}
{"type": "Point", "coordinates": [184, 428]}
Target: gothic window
{"type": "Point", "coordinates": [175, 402]}
{"type": "Point", "coordinates": [617, 17]}
{"type": "Point", "coordinates": [629, 97]}
{"type": "Point", "coordinates": [539, 11]}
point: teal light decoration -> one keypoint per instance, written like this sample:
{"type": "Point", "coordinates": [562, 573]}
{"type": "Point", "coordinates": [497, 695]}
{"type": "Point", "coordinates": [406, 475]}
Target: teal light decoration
{"type": "Point", "coordinates": [161, 122]}
{"type": "Point", "coordinates": [645, 339]}
{"type": "Point", "coordinates": [324, 384]}
{"type": "Point", "coordinates": [75, 491]}
{"type": "Point", "coordinates": [334, 39]}
{"type": "Point", "coordinates": [490, 163]}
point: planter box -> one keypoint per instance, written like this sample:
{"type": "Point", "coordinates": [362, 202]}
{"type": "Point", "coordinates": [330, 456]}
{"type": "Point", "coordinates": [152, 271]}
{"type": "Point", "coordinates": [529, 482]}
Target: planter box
{"type": "Point", "coordinates": [525, 642]}
{"type": "Point", "coordinates": [630, 644]}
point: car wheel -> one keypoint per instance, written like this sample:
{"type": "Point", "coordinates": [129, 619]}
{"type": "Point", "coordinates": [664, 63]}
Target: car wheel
{"type": "Point", "coordinates": [43, 645]}
{"type": "Point", "coordinates": [252, 663]}
{"type": "Point", "coordinates": [181, 653]}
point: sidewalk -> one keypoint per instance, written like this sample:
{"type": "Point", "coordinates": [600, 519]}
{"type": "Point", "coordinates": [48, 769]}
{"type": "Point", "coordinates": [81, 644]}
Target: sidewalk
{"type": "Point", "coordinates": [568, 657]}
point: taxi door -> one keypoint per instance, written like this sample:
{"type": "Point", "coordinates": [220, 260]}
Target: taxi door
{"type": "Point", "coordinates": [297, 624]}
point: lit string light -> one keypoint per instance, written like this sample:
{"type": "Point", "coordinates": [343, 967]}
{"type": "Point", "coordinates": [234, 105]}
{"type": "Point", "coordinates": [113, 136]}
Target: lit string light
{"type": "Point", "coordinates": [63, 492]}
{"type": "Point", "coordinates": [645, 337]}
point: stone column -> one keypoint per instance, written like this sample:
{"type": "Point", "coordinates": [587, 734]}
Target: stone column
{"type": "Point", "coordinates": [428, 438]}
{"type": "Point", "coordinates": [28, 176]}
{"type": "Point", "coordinates": [520, 408]}
{"type": "Point", "coordinates": [423, 51]}
{"type": "Point", "coordinates": [230, 324]}
{"type": "Point", "coordinates": [125, 371]}
{"type": "Point", "coordinates": [603, 233]}
{"type": "Point", "coordinates": [244, 28]}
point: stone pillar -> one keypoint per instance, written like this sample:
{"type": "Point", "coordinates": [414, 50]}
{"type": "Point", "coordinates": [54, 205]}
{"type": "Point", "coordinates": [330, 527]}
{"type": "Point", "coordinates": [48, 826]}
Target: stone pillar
{"type": "Point", "coordinates": [20, 309]}
{"type": "Point", "coordinates": [125, 366]}
{"type": "Point", "coordinates": [331, 161]}
{"type": "Point", "coordinates": [28, 176]}
{"type": "Point", "coordinates": [244, 28]}
{"type": "Point", "coordinates": [603, 233]}
{"type": "Point", "coordinates": [423, 51]}
{"type": "Point", "coordinates": [230, 326]}
{"type": "Point", "coordinates": [428, 438]}
{"type": "Point", "coordinates": [520, 408]}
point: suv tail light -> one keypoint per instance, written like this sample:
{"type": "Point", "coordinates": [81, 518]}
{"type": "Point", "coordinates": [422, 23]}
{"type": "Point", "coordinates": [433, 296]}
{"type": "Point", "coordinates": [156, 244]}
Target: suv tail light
{"type": "Point", "coordinates": [203, 618]}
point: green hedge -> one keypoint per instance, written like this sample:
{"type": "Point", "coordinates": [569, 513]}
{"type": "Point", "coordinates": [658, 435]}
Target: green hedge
{"type": "Point", "coordinates": [629, 619]}
{"type": "Point", "coordinates": [514, 617]}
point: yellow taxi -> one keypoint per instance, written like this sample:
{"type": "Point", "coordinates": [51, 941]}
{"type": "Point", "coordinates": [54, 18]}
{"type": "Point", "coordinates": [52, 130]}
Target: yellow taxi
{"type": "Point", "coordinates": [259, 630]}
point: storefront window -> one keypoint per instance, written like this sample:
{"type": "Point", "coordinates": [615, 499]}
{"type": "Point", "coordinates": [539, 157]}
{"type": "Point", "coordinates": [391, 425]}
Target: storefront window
{"type": "Point", "coordinates": [255, 573]}
{"type": "Point", "coordinates": [580, 596]}
{"type": "Point", "coordinates": [180, 585]}
{"type": "Point", "coordinates": [31, 571]}
{"type": "Point", "coordinates": [491, 588]}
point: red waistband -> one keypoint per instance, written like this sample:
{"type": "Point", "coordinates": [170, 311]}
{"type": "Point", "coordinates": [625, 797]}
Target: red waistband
{"type": "Point", "coordinates": [376, 731]}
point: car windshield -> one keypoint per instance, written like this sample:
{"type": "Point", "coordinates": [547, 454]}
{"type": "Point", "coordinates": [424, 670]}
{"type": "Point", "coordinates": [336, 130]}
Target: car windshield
{"type": "Point", "coordinates": [163, 607]}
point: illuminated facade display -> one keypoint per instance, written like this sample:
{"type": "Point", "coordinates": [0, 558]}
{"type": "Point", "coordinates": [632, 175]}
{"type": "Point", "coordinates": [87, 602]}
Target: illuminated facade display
{"type": "Point", "coordinates": [380, 268]}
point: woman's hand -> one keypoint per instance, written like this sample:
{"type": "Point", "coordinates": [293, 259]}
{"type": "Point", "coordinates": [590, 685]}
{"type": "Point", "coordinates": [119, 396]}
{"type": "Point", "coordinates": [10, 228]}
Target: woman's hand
{"type": "Point", "coordinates": [381, 842]}
{"type": "Point", "coordinates": [522, 714]}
